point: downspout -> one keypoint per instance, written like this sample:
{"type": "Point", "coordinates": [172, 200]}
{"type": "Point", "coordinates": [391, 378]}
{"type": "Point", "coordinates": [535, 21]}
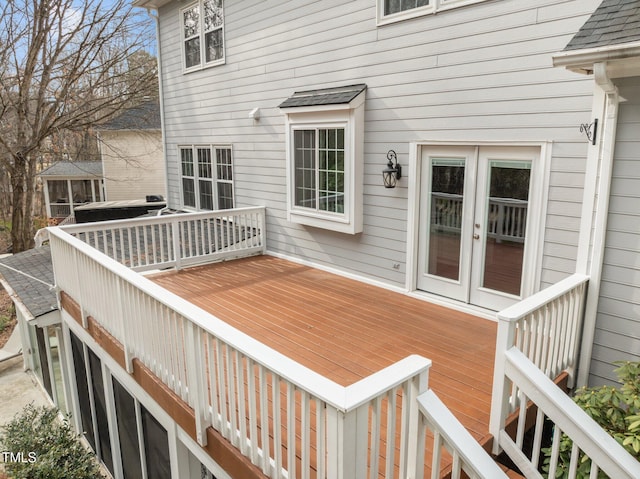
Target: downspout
{"type": "Point", "coordinates": [593, 230]}
{"type": "Point", "coordinates": [161, 93]}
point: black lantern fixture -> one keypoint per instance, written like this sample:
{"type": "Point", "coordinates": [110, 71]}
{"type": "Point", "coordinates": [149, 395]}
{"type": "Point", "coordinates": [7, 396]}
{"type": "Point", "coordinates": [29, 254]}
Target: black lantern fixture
{"type": "Point", "coordinates": [392, 173]}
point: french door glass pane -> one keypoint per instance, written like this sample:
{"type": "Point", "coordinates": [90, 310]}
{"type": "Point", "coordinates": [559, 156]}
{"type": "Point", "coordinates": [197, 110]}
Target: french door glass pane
{"type": "Point", "coordinates": [445, 225]}
{"type": "Point", "coordinates": [506, 222]}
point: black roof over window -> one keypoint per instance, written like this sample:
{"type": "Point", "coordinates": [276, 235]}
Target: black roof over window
{"type": "Point", "coordinates": [614, 22]}
{"type": "Point", "coordinates": [325, 96]}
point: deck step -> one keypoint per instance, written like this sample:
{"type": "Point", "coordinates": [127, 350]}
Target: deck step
{"type": "Point", "coordinates": [510, 472]}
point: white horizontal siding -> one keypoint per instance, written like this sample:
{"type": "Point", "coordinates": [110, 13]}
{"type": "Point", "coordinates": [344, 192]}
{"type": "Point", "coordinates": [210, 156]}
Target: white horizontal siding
{"type": "Point", "coordinates": [617, 334]}
{"type": "Point", "coordinates": [477, 73]}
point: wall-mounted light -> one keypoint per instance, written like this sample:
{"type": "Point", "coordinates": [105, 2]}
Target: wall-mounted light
{"type": "Point", "coordinates": [255, 114]}
{"type": "Point", "coordinates": [392, 173]}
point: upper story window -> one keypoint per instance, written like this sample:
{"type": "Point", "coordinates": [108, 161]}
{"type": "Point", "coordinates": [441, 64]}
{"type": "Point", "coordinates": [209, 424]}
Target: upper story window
{"type": "Point", "coordinates": [202, 34]}
{"type": "Point", "coordinates": [207, 177]}
{"type": "Point", "coordinates": [396, 10]}
{"type": "Point", "coordinates": [325, 137]}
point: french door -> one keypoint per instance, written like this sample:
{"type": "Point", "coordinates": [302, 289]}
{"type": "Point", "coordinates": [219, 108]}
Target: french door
{"type": "Point", "coordinates": [474, 217]}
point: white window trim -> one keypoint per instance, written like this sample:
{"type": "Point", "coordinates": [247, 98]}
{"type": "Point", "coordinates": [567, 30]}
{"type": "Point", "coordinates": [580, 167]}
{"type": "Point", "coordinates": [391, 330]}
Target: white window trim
{"type": "Point", "coordinates": [434, 6]}
{"type": "Point", "coordinates": [214, 176]}
{"type": "Point", "coordinates": [202, 65]}
{"type": "Point", "coordinates": [351, 118]}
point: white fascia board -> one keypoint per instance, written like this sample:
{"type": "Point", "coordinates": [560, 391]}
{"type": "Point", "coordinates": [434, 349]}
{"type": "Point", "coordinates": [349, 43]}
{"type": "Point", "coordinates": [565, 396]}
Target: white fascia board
{"type": "Point", "coordinates": [581, 61]}
{"type": "Point", "coordinates": [150, 4]}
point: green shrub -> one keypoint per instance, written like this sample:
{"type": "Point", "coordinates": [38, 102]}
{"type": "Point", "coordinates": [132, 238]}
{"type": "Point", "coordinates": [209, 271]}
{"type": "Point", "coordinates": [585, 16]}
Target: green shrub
{"type": "Point", "coordinates": [615, 409]}
{"type": "Point", "coordinates": [47, 447]}
{"type": "Point", "coordinates": [4, 322]}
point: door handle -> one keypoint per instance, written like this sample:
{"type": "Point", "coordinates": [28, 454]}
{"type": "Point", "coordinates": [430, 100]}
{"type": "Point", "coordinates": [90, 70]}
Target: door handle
{"type": "Point", "coordinates": [476, 236]}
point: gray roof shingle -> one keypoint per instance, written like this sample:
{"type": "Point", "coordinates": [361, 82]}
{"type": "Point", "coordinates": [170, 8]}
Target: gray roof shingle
{"type": "Point", "coordinates": [85, 169]}
{"type": "Point", "coordinates": [142, 117]}
{"type": "Point", "coordinates": [614, 22]}
{"type": "Point", "coordinates": [324, 96]}
{"type": "Point", "coordinates": [37, 297]}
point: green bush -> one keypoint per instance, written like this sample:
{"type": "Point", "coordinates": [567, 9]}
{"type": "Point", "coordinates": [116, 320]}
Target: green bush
{"type": "Point", "coordinates": [615, 409]}
{"type": "Point", "coordinates": [47, 447]}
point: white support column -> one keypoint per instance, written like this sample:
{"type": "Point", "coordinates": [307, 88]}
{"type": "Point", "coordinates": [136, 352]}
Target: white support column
{"type": "Point", "coordinates": [347, 435]}
{"type": "Point", "coordinates": [197, 382]}
{"type": "Point", "coordinates": [175, 238]}
{"type": "Point", "coordinates": [596, 199]}
{"type": "Point", "coordinates": [411, 462]}
{"type": "Point", "coordinates": [501, 384]}
{"type": "Point", "coordinates": [47, 200]}
{"type": "Point", "coordinates": [128, 356]}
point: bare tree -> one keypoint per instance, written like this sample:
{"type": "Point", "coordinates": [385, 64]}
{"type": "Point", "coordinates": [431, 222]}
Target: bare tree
{"type": "Point", "coordinates": [64, 66]}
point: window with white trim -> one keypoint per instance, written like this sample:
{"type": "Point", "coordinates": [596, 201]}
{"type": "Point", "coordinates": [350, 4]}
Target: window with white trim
{"type": "Point", "coordinates": [319, 169]}
{"type": "Point", "coordinates": [325, 144]}
{"type": "Point", "coordinates": [206, 185]}
{"type": "Point", "coordinates": [396, 10]}
{"type": "Point", "coordinates": [202, 34]}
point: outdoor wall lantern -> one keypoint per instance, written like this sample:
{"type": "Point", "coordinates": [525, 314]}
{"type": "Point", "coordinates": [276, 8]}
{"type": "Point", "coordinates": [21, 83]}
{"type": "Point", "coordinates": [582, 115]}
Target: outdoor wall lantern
{"type": "Point", "coordinates": [392, 173]}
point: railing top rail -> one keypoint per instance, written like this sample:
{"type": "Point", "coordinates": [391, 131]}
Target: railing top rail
{"type": "Point", "coordinates": [570, 418]}
{"type": "Point", "coordinates": [340, 397]}
{"type": "Point", "coordinates": [388, 378]}
{"type": "Point", "coordinates": [533, 302]}
{"type": "Point", "coordinates": [130, 222]}
{"type": "Point", "coordinates": [454, 433]}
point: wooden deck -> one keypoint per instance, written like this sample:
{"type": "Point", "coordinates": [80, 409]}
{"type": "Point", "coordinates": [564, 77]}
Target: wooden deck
{"type": "Point", "coordinates": [346, 329]}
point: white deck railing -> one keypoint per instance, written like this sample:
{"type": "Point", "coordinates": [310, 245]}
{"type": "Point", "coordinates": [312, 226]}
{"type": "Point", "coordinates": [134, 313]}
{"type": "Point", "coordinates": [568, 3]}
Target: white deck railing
{"type": "Point", "coordinates": [546, 328]}
{"type": "Point", "coordinates": [177, 240]}
{"type": "Point", "coordinates": [553, 406]}
{"type": "Point", "coordinates": [452, 439]}
{"type": "Point", "coordinates": [260, 400]}
{"type": "Point", "coordinates": [507, 217]}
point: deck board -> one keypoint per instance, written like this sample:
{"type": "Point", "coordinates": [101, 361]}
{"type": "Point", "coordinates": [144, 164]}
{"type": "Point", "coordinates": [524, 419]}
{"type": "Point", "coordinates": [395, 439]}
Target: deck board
{"type": "Point", "coordinates": [346, 329]}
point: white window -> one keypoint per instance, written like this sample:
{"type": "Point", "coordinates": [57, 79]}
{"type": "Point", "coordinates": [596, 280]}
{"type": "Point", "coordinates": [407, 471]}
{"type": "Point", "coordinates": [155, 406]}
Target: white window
{"type": "Point", "coordinates": [395, 10]}
{"type": "Point", "coordinates": [205, 185]}
{"type": "Point", "coordinates": [324, 158]}
{"type": "Point", "coordinates": [318, 163]}
{"type": "Point", "coordinates": [202, 34]}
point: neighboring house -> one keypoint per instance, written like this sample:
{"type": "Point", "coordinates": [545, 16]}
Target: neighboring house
{"type": "Point", "coordinates": [131, 167]}
{"type": "Point", "coordinates": [69, 184]}
{"type": "Point", "coordinates": [131, 152]}
{"type": "Point", "coordinates": [395, 174]}
{"type": "Point", "coordinates": [28, 278]}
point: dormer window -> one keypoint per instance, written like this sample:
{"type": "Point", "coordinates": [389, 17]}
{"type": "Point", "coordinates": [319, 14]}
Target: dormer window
{"type": "Point", "coordinates": [325, 138]}
{"type": "Point", "coordinates": [202, 34]}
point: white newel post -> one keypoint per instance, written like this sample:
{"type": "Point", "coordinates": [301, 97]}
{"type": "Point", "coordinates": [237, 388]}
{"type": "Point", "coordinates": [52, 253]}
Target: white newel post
{"type": "Point", "coordinates": [175, 239]}
{"type": "Point", "coordinates": [414, 429]}
{"type": "Point", "coordinates": [347, 442]}
{"type": "Point", "coordinates": [128, 357]}
{"type": "Point", "coordinates": [78, 289]}
{"type": "Point", "coordinates": [197, 381]}
{"type": "Point", "coordinates": [501, 384]}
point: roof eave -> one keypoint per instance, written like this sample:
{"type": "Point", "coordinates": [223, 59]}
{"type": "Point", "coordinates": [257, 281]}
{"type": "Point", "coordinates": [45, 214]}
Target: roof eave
{"type": "Point", "coordinates": [150, 4]}
{"type": "Point", "coordinates": [582, 61]}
